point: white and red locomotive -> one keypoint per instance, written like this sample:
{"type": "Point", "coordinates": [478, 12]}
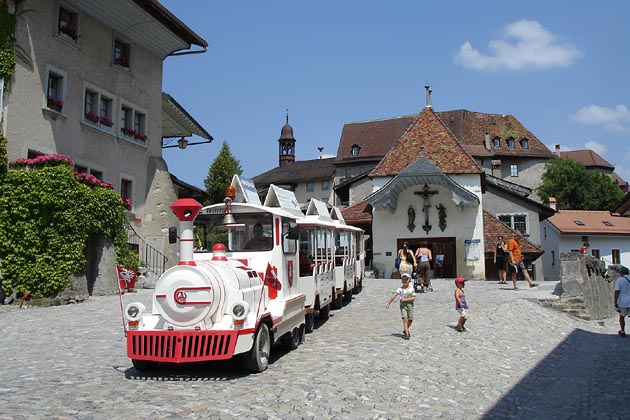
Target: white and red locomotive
{"type": "Point", "coordinates": [270, 270]}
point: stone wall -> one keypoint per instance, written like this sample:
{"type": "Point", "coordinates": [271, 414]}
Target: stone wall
{"type": "Point", "coordinates": [586, 286]}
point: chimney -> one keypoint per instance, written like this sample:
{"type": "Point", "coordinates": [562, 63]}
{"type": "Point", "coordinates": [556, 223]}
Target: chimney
{"type": "Point", "coordinates": [557, 146]}
{"type": "Point", "coordinates": [487, 141]}
{"type": "Point", "coordinates": [428, 89]}
{"type": "Point", "coordinates": [552, 203]}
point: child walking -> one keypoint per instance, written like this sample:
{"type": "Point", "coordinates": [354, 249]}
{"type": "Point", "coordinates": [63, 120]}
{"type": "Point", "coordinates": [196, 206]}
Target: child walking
{"type": "Point", "coordinates": [407, 297]}
{"type": "Point", "coordinates": [460, 303]}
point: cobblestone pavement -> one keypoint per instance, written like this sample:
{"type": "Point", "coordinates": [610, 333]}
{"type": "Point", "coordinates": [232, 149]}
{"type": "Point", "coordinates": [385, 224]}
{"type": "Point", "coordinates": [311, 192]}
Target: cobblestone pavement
{"type": "Point", "coordinates": [518, 361]}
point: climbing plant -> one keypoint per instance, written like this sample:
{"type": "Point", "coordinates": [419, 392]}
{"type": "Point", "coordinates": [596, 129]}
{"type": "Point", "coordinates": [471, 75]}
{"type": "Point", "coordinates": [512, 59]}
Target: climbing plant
{"type": "Point", "coordinates": [48, 213]}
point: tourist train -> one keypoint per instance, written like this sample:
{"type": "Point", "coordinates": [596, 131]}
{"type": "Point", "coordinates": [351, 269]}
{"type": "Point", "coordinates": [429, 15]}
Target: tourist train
{"type": "Point", "coordinates": [271, 268]}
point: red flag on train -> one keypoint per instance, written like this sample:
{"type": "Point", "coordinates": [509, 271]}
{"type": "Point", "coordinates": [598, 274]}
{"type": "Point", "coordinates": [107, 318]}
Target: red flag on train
{"type": "Point", "coordinates": [271, 279]}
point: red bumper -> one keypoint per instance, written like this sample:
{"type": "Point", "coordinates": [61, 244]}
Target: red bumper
{"type": "Point", "coordinates": [181, 346]}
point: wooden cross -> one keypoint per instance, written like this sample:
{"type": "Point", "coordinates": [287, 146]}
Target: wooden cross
{"type": "Point", "coordinates": [426, 195]}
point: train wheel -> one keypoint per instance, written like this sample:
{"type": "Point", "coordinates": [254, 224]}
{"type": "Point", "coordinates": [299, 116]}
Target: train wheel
{"type": "Point", "coordinates": [337, 302]}
{"type": "Point", "coordinates": [324, 313]}
{"type": "Point", "coordinates": [143, 365]}
{"type": "Point", "coordinates": [257, 359]}
{"type": "Point", "coordinates": [348, 295]}
{"type": "Point", "coordinates": [293, 339]}
{"type": "Point", "coordinates": [310, 323]}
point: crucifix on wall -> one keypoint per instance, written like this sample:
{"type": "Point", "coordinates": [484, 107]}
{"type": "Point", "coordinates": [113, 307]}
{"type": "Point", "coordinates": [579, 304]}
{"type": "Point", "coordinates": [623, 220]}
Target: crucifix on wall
{"type": "Point", "coordinates": [426, 195]}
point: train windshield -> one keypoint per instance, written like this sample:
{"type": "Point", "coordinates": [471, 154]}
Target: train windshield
{"type": "Point", "coordinates": [252, 232]}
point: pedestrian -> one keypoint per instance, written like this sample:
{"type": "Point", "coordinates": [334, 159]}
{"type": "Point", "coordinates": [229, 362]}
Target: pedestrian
{"type": "Point", "coordinates": [407, 298]}
{"type": "Point", "coordinates": [423, 259]}
{"type": "Point", "coordinates": [584, 248]}
{"type": "Point", "coordinates": [499, 259]}
{"type": "Point", "coordinates": [461, 305]}
{"type": "Point", "coordinates": [407, 259]}
{"type": "Point", "coordinates": [622, 301]}
{"type": "Point", "coordinates": [516, 262]}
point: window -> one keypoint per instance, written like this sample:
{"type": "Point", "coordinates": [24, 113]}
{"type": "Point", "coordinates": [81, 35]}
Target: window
{"type": "Point", "coordinates": [309, 187]}
{"type": "Point", "coordinates": [86, 169]}
{"type": "Point", "coordinates": [68, 24]}
{"type": "Point", "coordinates": [616, 258]}
{"type": "Point", "coordinates": [579, 222]}
{"type": "Point", "coordinates": [347, 172]}
{"type": "Point", "coordinates": [595, 253]}
{"type": "Point", "coordinates": [510, 143]}
{"type": "Point", "coordinates": [514, 170]}
{"type": "Point", "coordinates": [121, 54]}
{"type": "Point", "coordinates": [126, 192]}
{"type": "Point", "coordinates": [356, 150]}
{"type": "Point", "coordinates": [55, 88]}
{"type": "Point", "coordinates": [289, 246]}
{"type": "Point", "coordinates": [133, 123]}
{"type": "Point", "coordinates": [496, 142]}
{"type": "Point", "coordinates": [524, 144]}
{"type": "Point", "coordinates": [98, 108]}
{"type": "Point", "coordinates": [553, 258]}
{"type": "Point", "coordinates": [518, 222]}
{"type": "Point", "coordinates": [325, 185]}
{"type": "Point", "coordinates": [607, 223]}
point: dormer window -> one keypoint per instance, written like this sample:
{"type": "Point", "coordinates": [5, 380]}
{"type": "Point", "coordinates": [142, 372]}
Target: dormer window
{"type": "Point", "coordinates": [496, 142]}
{"type": "Point", "coordinates": [524, 144]}
{"type": "Point", "coordinates": [510, 143]}
{"type": "Point", "coordinates": [579, 222]}
{"type": "Point", "coordinates": [356, 150]}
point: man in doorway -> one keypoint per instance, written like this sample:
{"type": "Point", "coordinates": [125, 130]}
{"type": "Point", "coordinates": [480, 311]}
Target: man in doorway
{"type": "Point", "coordinates": [516, 262]}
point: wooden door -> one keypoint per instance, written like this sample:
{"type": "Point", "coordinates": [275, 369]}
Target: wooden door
{"type": "Point", "coordinates": [438, 246]}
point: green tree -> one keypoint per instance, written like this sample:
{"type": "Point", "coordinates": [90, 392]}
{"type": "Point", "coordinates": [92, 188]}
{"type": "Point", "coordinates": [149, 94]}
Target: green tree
{"type": "Point", "coordinates": [575, 188]}
{"type": "Point", "coordinates": [220, 174]}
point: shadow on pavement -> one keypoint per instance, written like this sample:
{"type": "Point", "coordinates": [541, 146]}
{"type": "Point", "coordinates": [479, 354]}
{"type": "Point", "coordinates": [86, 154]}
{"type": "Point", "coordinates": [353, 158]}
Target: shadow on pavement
{"type": "Point", "coordinates": [585, 377]}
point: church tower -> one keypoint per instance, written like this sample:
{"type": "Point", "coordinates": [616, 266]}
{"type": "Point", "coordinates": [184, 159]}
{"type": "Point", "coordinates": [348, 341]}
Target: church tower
{"type": "Point", "coordinates": [286, 144]}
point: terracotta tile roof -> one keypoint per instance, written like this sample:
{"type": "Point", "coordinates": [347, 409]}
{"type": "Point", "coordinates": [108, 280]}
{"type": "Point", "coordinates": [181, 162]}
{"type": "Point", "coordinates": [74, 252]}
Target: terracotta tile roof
{"type": "Point", "coordinates": [622, 183]}
{"type": "Point", "coordinates": [302, 170]}
{"type": "Point", "coordinates": [493, 228]}
{"type": "Point", "coordinates": [470, 129]}
{"type": "Point", "coordinates": [360, 212]}
{"type": "Point", "coordinates": [592, 222]}
{"type": "Point", "coordinates": [374, 137]}
{"type": "Point", "coordinates": [588, 158]}
{"type": "Point", "coordinates": [440, 148]}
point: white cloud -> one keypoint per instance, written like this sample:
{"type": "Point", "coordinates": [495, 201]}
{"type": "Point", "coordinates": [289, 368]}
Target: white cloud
{"type": "Point", "coordinates": [615, 119]}
{"type": "Point", "coordinates": [534, 48]}
{"type": "Point", "coordinates": [598, 148]}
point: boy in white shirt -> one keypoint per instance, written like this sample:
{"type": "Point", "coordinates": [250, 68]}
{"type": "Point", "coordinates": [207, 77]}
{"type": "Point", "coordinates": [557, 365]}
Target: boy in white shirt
{"type": "Point", "coordinates": [407, 297]}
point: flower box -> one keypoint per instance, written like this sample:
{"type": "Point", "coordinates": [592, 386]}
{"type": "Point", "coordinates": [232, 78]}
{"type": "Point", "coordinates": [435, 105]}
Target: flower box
{"type": "Point", "coordinates": [122, 61]}
{"type": "Point", "coordinates": [105, 121]}
{"type": "Point", "coordinates": [69, 30]}
{"type": "Point", "coordinates": [140, 136]}
{"type": "Point", "coordinates": [128, 131]}
{"type": "Point", "coordinates": [54, 103]}
{"type": "Point", "coordinates": [90, 116]}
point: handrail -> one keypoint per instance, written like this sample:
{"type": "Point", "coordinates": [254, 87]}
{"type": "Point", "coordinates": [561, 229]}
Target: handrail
{"type": "Point", "coordinates": [154, 259]}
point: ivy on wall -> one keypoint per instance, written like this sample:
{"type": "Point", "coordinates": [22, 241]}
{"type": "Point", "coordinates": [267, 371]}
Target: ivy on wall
{"type": "Point", "coordinates": [48, 213]}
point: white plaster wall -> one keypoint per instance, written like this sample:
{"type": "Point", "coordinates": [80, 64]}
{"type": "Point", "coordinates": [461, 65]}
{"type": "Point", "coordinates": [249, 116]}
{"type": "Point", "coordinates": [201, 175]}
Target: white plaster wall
{"type": "Point", "coordinates": [466, 223]}
{"type": "Point", "coordinates": [29, 125]}
{"type": "Point", "coordinates": [554, 240]}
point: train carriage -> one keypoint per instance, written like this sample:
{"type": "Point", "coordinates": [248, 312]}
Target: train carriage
{"type": "Point", "coordinates": [269, 269]}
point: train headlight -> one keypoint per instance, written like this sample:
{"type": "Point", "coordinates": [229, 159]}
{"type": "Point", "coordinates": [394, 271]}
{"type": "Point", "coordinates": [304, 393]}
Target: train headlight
{"type": "Point", "coordinates": [133, 314]}
{"type": "Point", "coordinates": [239, 311]}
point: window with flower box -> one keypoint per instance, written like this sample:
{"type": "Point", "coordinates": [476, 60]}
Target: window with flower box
{"type": "Point", "coordinates": [98, 108]}
{"type": "Point", "coordinates": [133, 123]}
{"type": "Point", "coordinates": [121, 54]}
{"type": "Point", "coordinates": [82, 169]}
{"type": "Point", "coordinates": [126, 192]}
{"type": "Point", "coordinates": [55, 88]}
{"type": "Point", "coordinates": [68, 25]}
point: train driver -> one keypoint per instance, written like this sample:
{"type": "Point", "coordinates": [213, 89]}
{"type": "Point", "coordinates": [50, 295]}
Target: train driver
{"type": "Point", "coordinates": [258, 241]}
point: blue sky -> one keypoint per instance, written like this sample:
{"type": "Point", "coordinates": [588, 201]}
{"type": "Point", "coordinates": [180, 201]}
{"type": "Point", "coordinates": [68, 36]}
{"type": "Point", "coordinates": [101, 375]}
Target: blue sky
{"type": "Point", "coordinates": [561, 68]}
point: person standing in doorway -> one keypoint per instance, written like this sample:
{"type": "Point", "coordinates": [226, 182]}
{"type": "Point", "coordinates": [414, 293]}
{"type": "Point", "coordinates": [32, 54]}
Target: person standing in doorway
{"type": "Point", "coordinates": [516, 262]}
{"type": "Point", "coordinates": [407, 259]}
{"type": "Point", "coordinates": [622, 301]}
{"type": "Point", "coordinates": [423, 259]}
{"type": "Point", "coordinates": [499, 259]}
